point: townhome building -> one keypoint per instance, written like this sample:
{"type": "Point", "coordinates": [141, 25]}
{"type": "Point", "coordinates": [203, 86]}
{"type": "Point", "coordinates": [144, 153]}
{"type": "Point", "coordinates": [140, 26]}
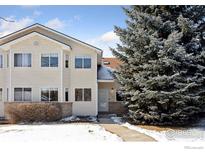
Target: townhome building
{"type": "Point", "coordinates": [39, 64]}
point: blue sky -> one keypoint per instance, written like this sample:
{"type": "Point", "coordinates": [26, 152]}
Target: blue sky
{"type": "Point", "coordinates": [92, 24]}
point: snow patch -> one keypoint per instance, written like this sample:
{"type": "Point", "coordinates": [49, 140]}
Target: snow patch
{"type": "Point", "coordinates": [56, 133]}
{"type": "Point", "coordinates": [78, 119]}
{"type": "Point", "coordinates": [196, 133]}
{"type": "Point", "coordinates": [70, 119]}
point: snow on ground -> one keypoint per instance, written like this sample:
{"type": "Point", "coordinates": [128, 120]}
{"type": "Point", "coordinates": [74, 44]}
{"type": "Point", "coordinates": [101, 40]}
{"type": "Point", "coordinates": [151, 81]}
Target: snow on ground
{"type": "Point", "coordinates": [196, 133]}
{"type": "Point", "coordinates": [74, 118]}
{"type": "Point", "coordinates": [55, 132]}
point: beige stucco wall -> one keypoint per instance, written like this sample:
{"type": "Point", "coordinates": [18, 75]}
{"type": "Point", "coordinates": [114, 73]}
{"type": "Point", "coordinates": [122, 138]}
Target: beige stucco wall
{"type": "Point", "coordinates": [35, 77]}
{"type": "Point", "coordinates": [61, 77]}
{"type": "Point", "coordinates": [81, 78]}
{"type": "Point", "coordinates": [3, 81]}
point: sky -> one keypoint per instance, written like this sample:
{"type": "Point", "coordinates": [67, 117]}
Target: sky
{"type": "Point", "coordinates": [91, 24]}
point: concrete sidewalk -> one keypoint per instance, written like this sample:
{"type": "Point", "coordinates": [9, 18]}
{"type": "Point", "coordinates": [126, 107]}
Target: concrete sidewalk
{"type": "Point", "coordinates": [126, 134]}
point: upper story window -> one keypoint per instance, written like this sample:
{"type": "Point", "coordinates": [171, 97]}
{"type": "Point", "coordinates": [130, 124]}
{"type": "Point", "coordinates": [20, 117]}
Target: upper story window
{"type": "Point", "coordinates": [1, 94]}
{"type": "Point", "coordinates": [82, 62]}
{"type": "Point", "coordinates": [1, 61]}
{"type": "Point", "coordinates": [66, 61]}
{"type": "Point", "coordinates": [49, 60]}
{"type": "Point", "coordinates": [22, 60]}
{"type": "Point", "coordinates": [7, 60]}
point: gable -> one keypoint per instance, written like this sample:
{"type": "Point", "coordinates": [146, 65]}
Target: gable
{"type": "Point", "coordinates": [49, 33]}
{"type": "Point", "coordinates": [32, 37]}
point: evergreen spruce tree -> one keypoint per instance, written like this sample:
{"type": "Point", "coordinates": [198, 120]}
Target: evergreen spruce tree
{"type": "Point", "coordinates": [163, 72]}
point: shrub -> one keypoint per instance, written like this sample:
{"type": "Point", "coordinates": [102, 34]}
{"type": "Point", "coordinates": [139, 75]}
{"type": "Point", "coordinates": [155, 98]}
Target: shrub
{"type": "Point", "coordinates": [33, 112]}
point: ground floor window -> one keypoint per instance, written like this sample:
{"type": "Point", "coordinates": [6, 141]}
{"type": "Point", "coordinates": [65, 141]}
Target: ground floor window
{"type": "Point", "coordinates": [49, 94]}
{"type": "Point", "coordinates": [83, 94]}
{"type": "Point", "coordinates": [22, 94]}
{"type": "Point", "coordinates": [66, 95]}
{"type": "Point", "coordinates": [7, 94]}
{"type": "Point", "coordinates": [1, 90]}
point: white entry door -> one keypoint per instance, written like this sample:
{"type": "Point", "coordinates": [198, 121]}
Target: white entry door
{"type": "Point", "coordinates": [103, 95]}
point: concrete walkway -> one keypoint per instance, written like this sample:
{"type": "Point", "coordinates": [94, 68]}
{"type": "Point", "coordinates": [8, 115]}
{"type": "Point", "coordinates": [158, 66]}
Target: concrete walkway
{"type": "Point", "coordinates": [126, 134]}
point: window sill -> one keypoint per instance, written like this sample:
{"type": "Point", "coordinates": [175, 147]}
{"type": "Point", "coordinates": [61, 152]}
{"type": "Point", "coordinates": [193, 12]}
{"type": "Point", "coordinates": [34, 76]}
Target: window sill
{"type": "Point", "coordinates": [82, 101]}
{"type": "Point", "coordinates": [86, 69]}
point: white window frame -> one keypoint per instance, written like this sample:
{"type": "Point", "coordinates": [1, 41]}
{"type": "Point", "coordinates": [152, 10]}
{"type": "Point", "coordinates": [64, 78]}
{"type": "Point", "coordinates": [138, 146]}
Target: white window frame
{"type": "Point", "coordinates": [49, 55]}
{"type": "Point", "coordinates": [22, 53]}
{"type": "Point", "coordinates": [66, 58]}
{"type": "Point", "coordinates": [83, 95]}
{"type": "Point", "coordinates": [7, 60]}
{"type": "Point", "coordinates": [1, 61]}
{"type": "Point", "coordinates": [1, 96]}
{"type": "Point", "coordinates": [66, 90]}
{"type": "Point", "coordinates": [49, 89]}
{"type": "Point", "coordinates": [83, 59]}
{"type": "Point", "coordinates": [23, 90]}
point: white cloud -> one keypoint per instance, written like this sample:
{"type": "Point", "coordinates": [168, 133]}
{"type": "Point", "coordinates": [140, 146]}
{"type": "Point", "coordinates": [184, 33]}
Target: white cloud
{"type": "Point", "coordinates": [9, 27]}
{"type": "Point", "coordinates": [105, 41]}
{"type": "Point", "coordinates": [109, 37]}
{"type": "Point", "coordinates": [55, 23]}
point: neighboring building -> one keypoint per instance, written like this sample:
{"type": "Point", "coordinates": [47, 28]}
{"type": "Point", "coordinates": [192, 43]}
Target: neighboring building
{"type": "Point", "coordinates": [39, 64]}
{"type": "Point", "coordinates": [113, 63]}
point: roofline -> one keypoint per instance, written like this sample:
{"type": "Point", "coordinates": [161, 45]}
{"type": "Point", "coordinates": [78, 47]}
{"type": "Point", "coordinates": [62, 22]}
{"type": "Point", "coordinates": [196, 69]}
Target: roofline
{"type": "Point", "coordinates": [60, 33]}
{"type": "Point", "coordinates": [106, 80]}
{"type": "Point", "coordinates": [37, 33]}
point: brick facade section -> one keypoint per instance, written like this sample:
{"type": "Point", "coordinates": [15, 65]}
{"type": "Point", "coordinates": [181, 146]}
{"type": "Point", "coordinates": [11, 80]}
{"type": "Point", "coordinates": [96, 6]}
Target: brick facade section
{"type": "Point", "coordinates": [117, 108]}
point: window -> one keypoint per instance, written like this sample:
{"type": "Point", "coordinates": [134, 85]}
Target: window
{"type": "Point", "coordinates": [78, 94]}
{"type": "Point", "coordinates": [82, 62]}
{"type": "Point", "coordinates": [66, 61]}
{"type": "Point", "coordinates": [87, 63]}
{"type": "Point", "coordinates": [87, 94]}
{"type": "Point", "coordinates": [78, 62]}
{"type": "Point", "coordinates": [82, 94]}
{"type": "Point", "coordinates": [1, 61]}
{"type": "Point", "coordinates": [7, 60]}
{"type": "Point", "coordinates": [49, 94]}
{"type": "Point", "coordinates": [1, 94]}
{"type": "Point", "coordinates": [49, 60]}
{"type": "Point", "coordinates": [22, 94]}
{"type": "Point", "coordinates": [7, 94]}
{"type": "Point", "coordinates": [22, 60]}
{"type": "Point", "coordinates": [66, 94]}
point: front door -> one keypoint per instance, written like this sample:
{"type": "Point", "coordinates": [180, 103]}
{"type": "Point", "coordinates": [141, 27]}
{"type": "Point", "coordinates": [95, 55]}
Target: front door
{"type": "Point", "coordinates": [103, 95]}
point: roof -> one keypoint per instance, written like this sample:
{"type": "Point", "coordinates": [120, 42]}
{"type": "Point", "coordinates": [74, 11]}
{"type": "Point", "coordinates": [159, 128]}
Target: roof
{"type": "Point", "coordinates": [105, 73]}
{"type": "Point", "coordinates": [6, 39]}
{"type": "Point", "coordinates": [113, 63]}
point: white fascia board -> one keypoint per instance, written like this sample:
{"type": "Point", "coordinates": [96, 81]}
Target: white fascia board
{"type": "Point", "coordinates": [7, 45]}
{"type": "Point", "coordinates": [98, 51]}
{"type": "Point", "coordinates": [106, 80]}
